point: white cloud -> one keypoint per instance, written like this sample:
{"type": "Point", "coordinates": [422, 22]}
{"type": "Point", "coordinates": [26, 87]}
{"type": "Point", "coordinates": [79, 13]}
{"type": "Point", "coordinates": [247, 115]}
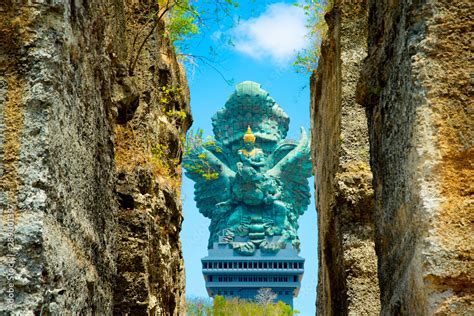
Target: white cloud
{"type": "Point", "coordinates": [278, 33]}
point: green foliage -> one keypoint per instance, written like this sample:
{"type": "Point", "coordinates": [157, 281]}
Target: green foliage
{"type": "Point", "coordinates": [159, 151]}
{"type": "Point", "coordinates": [237, 307]}
{"type": "Point", "coordinates": [178, 115]}
{"type": "Point", "coordinates": [219, 305]}
{"type": "Point", "coordinates": [195, 157]}
{"type": "Point", "coordinates": [307, 59]}
{"type": "Point", "coordinates": [167, 93]}
{"type": "Point", "coordinates": [199, 307]}
{"type": "Point", "coordinates": [189, 18]}
{"type": "Point", "coordinates": [159, 154]}
{"type": "Point", "coordinates": [184, 20]}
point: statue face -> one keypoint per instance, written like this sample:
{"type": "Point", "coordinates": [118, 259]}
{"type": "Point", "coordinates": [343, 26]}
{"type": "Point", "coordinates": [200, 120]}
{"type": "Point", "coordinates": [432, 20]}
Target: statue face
{"type": "Point", "coordinates": [249, 145]}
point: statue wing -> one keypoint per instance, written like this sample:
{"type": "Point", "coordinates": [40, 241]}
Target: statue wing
{"type": "Point", "coordinates": [211, 175]}
{"type": "Point", "coordinates": [293, 170]}
{"type": "Point", "coordinates": [282, 149]}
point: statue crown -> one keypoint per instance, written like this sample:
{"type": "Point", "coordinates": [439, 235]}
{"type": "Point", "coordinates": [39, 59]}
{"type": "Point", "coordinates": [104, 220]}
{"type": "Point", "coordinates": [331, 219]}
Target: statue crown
{"type": "Point", "coordinates": [249, 137]}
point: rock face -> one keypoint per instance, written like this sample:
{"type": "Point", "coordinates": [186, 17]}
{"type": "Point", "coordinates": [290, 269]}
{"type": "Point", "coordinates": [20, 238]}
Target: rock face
{"type": "Point", "coordinates": [57, 159]}
{"type": "Point", "coordinates": [347, 281]}
{"type": "Point", "coordinates": [77, 233]}
{"type": "Point", "coordinates": [415, 86]}
{"type": "Point", "coordinates": [148, 150]}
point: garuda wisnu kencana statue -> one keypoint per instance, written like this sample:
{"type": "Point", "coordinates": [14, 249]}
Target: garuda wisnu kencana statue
{"type": "Point", "coordinates": [249, 180]}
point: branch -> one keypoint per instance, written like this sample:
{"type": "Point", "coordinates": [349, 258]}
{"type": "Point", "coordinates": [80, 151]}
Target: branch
{"type": "Point", "coordinates": [208, 62]}
{"type": "Point", "coordinates": [135, 38]}
{"type": "Point", "coordinates": [157, 20]}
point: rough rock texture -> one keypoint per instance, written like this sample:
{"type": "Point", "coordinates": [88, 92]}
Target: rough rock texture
{"type": "Point", "coordinates": [149, 145]}
{"type": "Point", "coordinates": [347, 282]}
{"type": "Point", "coordinates": [57, 173]}
{"type": "Point", "coordinates": [63, 87]}
{"type": "Point", "coordinates": [417, 89]}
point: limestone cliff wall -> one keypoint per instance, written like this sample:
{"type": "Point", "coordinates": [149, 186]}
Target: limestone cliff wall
{"type": "Point", "coordinates": [348, 281]}
{"type": "Point", "coordinates": [57, 172]}
{"type": "Point", "coordinates": [417, 86]}
{"type": "Point", "coordinates": [67, 104]}
{"type": "Point", "coordinates": [154, 117]}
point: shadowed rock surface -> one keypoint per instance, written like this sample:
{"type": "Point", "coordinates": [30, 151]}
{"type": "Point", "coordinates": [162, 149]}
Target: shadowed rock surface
{"type": "Point", "coordinates": [347, 280]}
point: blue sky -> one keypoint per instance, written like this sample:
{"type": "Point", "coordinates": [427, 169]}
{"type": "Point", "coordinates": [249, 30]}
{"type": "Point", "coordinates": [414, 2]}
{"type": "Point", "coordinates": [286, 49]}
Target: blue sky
{"type": "Point", "coordinates": [265, 41]}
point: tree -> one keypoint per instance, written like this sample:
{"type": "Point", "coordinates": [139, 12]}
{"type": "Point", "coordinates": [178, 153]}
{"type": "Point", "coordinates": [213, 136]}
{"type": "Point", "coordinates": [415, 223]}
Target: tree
{"type": "Point", "coordinates": [194, 158]}
{"type": "Point", "coordinates": [235, 306]}
{"type": "Point", "coordinates": [198, 307]}
{"type": "Point", "coordinates": [219, 305]}
{"type": "Point", "coordinates": [184, 20]}
{"type": "Point", "coordinates": [307, 59]}
{"type": "Point", "coordinates": [265, 296]}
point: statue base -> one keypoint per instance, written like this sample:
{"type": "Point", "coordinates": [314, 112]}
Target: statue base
{"type": "Point", "coordinates": [233, 275]}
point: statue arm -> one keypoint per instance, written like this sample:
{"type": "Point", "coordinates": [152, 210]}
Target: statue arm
{"type": "Point", "coordinates": [260, 163]}
{"type": "Point", "coordinates": [242, 156]}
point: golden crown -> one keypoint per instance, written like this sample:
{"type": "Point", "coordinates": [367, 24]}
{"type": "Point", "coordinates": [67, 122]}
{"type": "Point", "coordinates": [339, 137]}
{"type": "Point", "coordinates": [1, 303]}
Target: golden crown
{"type": "Point", "coordinates": [249, 137]}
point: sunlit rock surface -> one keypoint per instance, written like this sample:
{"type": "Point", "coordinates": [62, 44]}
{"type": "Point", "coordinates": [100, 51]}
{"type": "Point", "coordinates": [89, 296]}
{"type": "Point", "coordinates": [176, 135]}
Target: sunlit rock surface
{"type": "Point", "coordinates": [96, 220]}
{"type": "Point", "coordinates": [416, 87]}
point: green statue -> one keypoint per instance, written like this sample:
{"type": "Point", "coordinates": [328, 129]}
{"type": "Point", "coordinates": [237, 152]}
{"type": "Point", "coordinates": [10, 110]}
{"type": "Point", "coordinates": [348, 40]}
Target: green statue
{"type": "Point", "coordinates": [259, 183]}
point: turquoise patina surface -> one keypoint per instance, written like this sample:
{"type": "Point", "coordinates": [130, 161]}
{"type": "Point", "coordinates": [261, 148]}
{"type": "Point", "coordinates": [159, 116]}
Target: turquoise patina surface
{"type": "Point", "coordinates": [250, 181]}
